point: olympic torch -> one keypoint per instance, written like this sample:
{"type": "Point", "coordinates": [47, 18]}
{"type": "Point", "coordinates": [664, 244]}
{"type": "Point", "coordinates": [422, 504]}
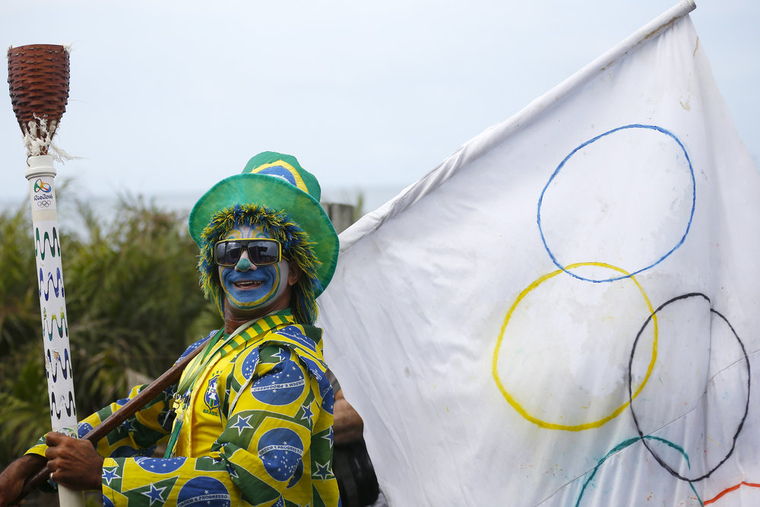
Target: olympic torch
{"type": "Point", "coordinates": [38, 76]}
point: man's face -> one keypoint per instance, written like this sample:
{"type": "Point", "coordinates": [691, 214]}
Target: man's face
{"type": "Point", "coordinates": [254, 291]}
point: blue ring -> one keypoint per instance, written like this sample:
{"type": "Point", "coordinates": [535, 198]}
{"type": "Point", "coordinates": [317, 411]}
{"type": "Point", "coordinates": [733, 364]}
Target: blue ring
{"type": "Point", "coordinates": [556, 171]}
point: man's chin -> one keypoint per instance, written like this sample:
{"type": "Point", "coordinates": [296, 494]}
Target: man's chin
{"type": "Point", "coordinates": [250, 298]}
{"type": "Point", "coordinates": [239, 310]}
{"type": "Point", "coordinates": [254, 309]}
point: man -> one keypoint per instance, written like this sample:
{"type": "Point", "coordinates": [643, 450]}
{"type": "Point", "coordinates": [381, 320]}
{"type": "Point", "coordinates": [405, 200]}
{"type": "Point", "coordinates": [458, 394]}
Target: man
{"type": "Point", "coordinates": [250, 421]}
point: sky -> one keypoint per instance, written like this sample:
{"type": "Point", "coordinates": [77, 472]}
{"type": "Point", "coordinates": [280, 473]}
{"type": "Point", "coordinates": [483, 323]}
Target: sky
{"type": "Point", "coordinates": [168, 97]}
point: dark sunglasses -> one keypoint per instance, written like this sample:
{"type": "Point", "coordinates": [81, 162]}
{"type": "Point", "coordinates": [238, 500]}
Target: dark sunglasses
{"type": "Point", "coordinates": [261, 252]}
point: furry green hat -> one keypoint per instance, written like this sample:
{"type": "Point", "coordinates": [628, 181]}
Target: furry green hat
{"type": "Point", "coordinates": [276, 193]}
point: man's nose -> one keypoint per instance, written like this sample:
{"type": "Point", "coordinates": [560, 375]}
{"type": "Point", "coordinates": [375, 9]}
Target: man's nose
{"type": "Point", "coordinates": [244, 263]}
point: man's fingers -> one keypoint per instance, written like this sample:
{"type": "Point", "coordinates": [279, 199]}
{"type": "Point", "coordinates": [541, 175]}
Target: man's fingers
{"type": "Point", "coordinates": [56, 443]}
{"type": "Point", "coordinates": [53, 438]}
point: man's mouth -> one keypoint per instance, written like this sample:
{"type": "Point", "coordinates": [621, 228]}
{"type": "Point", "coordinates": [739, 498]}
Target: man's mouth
{"type": "Point", "coordinates": [248, 284]}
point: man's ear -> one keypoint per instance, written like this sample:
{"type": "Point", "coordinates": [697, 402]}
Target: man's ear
{"type": "Point", "coordinates": [294, 272]}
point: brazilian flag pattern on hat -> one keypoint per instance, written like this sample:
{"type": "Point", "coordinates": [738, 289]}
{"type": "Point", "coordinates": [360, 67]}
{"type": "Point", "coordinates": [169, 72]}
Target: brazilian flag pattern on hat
{"type": "Point", "coordinates": [287, 168]}
{"type": "Point", "coordinates": [256, 429]}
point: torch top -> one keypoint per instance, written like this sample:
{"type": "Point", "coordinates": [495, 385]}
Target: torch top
{"type": "Point", "coordinates": [38, 76]}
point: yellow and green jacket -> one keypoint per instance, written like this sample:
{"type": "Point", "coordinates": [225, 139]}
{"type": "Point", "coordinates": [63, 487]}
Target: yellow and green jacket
{"type": "Point", "coordinates": [254, 430]}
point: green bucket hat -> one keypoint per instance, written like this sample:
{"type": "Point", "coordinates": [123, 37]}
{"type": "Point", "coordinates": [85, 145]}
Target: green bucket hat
{"type": "Point", "coordinates": [278, 182]}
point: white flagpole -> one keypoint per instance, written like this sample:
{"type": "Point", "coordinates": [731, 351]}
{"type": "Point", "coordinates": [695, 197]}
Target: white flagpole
{"type": "Point", "coordinates": [38, 107]}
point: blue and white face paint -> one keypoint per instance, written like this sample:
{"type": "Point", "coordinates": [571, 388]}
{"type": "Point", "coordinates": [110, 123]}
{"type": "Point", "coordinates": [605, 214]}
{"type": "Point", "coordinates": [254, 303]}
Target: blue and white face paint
{"type": "Point", "coordinates": [252, 288]}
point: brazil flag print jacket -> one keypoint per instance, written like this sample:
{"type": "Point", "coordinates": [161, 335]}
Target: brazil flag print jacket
{"type": "Point", "coordinates": [253, 429]}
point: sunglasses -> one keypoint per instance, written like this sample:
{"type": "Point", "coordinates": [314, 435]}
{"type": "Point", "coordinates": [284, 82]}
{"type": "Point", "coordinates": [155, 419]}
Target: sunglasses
{"type": "Point", "coordinates": [261, 252]}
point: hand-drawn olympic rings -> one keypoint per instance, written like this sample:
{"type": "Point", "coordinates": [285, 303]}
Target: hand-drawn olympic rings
{"type": "Point", "coordinates": [571, 427]}
{"type": "Point", "coordinates": [653, 128]}
{"type": "Point", "coordinates": [622, 446]}
{"type": "Point", "coordinates": [633, 395]}
{"type": "Point", "coordinates": [729, 490]}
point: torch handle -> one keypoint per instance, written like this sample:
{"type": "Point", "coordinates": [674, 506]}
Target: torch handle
{"type": "Point", "coordinates": [122, 414]}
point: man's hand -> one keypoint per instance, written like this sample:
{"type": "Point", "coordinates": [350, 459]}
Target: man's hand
{"type": "Point", "coordinates": [73, 463]}
{"type": "Point", "coordinates": [348, 425]}
{"type": "Point", "coordinates": [13, 477]}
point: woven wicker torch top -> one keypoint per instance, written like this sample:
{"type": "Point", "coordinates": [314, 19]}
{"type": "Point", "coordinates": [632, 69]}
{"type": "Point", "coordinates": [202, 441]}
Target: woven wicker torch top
{"type": "Point", "coordinates": [38, 76]}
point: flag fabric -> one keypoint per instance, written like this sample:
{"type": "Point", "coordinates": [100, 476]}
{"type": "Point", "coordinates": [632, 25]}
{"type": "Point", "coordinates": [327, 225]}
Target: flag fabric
{"type": "Point", "coordinates": [566, 311]}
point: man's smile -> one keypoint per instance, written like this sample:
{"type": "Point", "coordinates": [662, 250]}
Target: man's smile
{"type": "Point", "coordinates": [248, 284]}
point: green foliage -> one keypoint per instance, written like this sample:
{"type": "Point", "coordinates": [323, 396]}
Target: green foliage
{"type": "Point", "coordinates": [132, 299]}
{"type": "Point", "coordinates": [26, 414]}
{"type": "Point", "coordinates": [18, 287]}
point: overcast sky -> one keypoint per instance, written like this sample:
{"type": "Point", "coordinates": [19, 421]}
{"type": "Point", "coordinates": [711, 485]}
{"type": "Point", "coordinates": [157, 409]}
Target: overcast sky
{"type": "Point", "coordinates": [167, 97]}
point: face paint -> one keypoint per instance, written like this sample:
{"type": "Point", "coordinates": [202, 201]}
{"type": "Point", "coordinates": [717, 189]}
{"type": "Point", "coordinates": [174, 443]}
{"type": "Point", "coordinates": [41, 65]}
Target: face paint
{"type": "Point", "coordinates": [249, 287]}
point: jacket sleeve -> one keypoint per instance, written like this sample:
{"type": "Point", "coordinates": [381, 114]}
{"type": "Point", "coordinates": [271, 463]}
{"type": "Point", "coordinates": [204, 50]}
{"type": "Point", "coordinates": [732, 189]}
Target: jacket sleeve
{"type": "Point", "coordinates": [139, 434]}
{"type": "Point", "coordinates": [270, 408]}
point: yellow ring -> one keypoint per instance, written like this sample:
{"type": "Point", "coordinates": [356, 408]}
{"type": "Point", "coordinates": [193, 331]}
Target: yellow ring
{"type": "Point", "coordinates": [576, 427]}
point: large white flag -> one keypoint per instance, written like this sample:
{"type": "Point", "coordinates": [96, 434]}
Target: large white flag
{"type": "Point", "coordinates": [566, 312]}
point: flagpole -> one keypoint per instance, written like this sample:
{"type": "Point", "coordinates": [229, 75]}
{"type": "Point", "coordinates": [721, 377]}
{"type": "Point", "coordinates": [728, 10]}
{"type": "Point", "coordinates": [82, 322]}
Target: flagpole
{"type": "Point", "coordinates": [38, 76]}
{"type": "Point", "coordinates": [484, 142]}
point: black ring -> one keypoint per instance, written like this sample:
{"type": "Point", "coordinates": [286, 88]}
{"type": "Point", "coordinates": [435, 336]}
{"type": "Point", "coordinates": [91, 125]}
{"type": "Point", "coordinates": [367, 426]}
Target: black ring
{"type": "Point", "coordinates": [630, 393]}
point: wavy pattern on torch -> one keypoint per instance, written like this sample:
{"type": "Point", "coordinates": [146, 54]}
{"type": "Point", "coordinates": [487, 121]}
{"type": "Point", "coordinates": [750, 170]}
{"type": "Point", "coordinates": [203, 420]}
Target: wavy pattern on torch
{"type": "Point", "coordinates": [57, 282]}
{"type": "Point", "coordinates": [47, 244]}
{"type": "Point", "coordinates": [56, 322]}
{"type": "Point", "coordinates": [65, 403]}
{"type": "Point", "coordinates": [54, 363]}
